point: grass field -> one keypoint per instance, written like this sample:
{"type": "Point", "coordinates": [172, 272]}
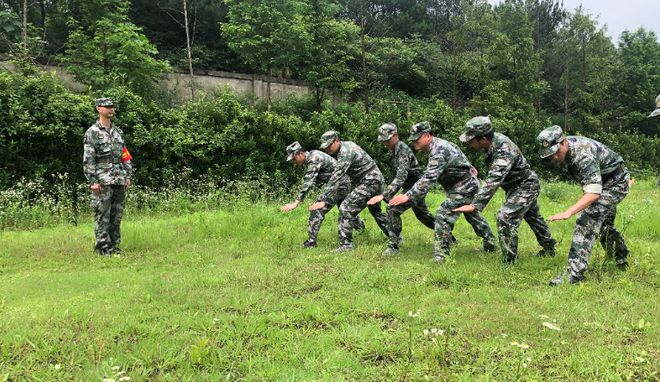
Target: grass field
{"type": "Point", "coordinates": [229, 295]}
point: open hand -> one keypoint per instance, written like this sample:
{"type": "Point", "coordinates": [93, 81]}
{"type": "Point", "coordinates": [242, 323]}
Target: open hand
{"type": "Point", "coordinates": [399, 199]}
{"type": "Point", "coordinates": [316, 206]}
{"type": "Point", "coordinates": [465, 209]}
{"type": "Point", "coordinates": [561, 216]}
{"type": "Point", "coordinates": [375, 200]}
{"type": "Point", "coordinates": [288, 207]}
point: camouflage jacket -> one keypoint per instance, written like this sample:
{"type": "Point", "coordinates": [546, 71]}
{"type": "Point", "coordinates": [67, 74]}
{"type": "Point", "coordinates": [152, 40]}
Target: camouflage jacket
{"type": "Point", "coordinates": [320, 167]}
{"type": "Point", "coordinates": [353, 161]}
{"type": "Point", "coordinates": [589, 162]}
{"type": "Point", "coordinates": [407, 168]}
{"type": "Point", "coordinates": [102, 156]}
{"type": "Point", "coordinates": [507, 168]}
{"type": "Point", "coordinates": [447, 165]}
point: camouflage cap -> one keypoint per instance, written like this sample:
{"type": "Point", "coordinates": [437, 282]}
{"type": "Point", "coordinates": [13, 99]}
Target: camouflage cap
{"type": "Point", "coordinates": [476, 127]}
{"type": "Point", "coordinates": [292, 150]}
{"type": "Point", "coordinates": [549, 140]}
{"type": "Point", "coordinates": [419, 129]}
{"type": "Point", "coordinates": [657, 108]}
{"type": "Point", "coordinates": [386, 131]}
{"type": "Point", "coordinates": [104, 102]}
{"type": "Point", "coordinates": [327, 138]}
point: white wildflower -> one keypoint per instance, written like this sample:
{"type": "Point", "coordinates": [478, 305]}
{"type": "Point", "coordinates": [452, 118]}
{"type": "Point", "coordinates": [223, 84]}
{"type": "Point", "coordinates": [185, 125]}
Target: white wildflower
{"type": "Point", "coordinates": [551, 326]}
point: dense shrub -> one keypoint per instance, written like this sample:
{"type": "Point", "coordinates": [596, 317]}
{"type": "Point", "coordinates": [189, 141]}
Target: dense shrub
{"type": "Point", "coordinates": [224, 138]}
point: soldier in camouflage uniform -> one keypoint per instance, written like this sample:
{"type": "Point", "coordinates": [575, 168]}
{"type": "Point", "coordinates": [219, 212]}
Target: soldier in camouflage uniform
{"type": "Point", "coordinates": [604, 179]}
{"type": "Point", "coordinates": [655, 112]}
{"type": "Point", "coordinates": [320, 167]}
{"type": "Point", "coordinates": [448, 166]}
{"type": "Point", "coordinates": [107, 167]}
{"type": "Point", "coordinates": [367, 182]}
{"type": "Point", "coordinates": [408, 171]}
{"type": "Point", "coordinates": [507, 168]}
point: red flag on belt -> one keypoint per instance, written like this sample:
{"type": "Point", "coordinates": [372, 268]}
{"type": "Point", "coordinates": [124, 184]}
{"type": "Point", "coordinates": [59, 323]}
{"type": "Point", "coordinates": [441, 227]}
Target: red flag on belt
{"type": "Point", "coordinates": [125, 156]}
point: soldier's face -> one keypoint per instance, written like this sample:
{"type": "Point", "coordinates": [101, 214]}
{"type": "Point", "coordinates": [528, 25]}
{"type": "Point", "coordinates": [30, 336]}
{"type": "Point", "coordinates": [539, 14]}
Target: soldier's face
{"type": "Point", "coordinates": [423, 142]}
{"type": "Point", "coordinates": [477, 144]}
{"type": "Point", "coordinates": [333, 148]}
{"type": "Point", "coordinates": [560, 155]}
{"type": "Point", "coordinates": [299, 159]}
{"type": "Point", "coordinates": [390, 143]}
{"type": "Point", "coordinates": [106, 111]}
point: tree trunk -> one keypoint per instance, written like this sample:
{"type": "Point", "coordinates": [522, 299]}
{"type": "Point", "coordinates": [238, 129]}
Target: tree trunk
{"type": "Point", "coordinates": [24, 34]}
{"type": "Point", "coordinates": [270, 75]}
{"type": "Point", "coordinates": [566, 100]}
{"type": "Point", "coordinates": [189, 48]}
{"type": "Point", "coordinates": [365, 80]}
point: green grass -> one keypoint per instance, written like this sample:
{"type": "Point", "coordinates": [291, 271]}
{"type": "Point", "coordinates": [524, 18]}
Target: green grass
{"type": "Point", "coordinates": [230, 295]}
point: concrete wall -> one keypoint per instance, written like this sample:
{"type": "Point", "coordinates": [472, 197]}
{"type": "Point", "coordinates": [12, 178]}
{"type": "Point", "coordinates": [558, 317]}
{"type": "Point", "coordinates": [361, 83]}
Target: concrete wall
{"type": "Point", "coordinates": [208, 82]}
{"type": "Point", "coordinates": [244, 84]}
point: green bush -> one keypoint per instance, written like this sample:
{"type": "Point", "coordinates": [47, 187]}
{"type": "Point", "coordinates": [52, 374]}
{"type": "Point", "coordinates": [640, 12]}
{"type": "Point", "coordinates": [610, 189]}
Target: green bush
{"type": "Point", "coordinates": [224, 139]}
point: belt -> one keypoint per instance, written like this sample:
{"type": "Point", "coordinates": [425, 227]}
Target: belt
{"type": "Point", "coordinates": [108, 160]}
{"type": "Point", "coordinates": [467, 176]}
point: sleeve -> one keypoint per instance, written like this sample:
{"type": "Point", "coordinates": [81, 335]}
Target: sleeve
{"type": "Point", "coordinates": [128, 165]}
{"type": "Point", "coordinates": [313, 170]}
{"type": "Point", "coordinates": [499, 169]}
{"type": "Point", "coordinates": [402, 168]}
{"type": "Point", "coordinates": [341, 169]}
{"type": "Point", "coordinates": [89, 158]}
{"type": "Point", "coordinates": [588, 172]}
{"type": "Point", "coordinates": [436, 166]}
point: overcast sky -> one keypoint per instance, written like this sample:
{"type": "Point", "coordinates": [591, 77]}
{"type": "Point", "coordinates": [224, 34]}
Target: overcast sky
{"type": "Point", "coordinates": [619, 15]}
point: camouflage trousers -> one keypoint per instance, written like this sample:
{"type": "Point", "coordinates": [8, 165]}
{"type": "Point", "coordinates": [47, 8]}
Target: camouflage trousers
{"type": "Point", "coordinates": [354, 203]}
{"type": "Point", "coordinates": [108, 207]}
{"type": "Point", "coordinates": [522, 203]}
{"type": "Point", "coordinates": [598, 219]}
{"type": "Point", "coordinates": [459, 195]}
{"type": "Point", "coordinates": [316, 217]}
{"type": "Point", "coordinates": [394, 217]}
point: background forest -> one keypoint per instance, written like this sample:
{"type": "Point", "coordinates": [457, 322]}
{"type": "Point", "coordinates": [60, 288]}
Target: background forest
{"type": "Point", "coordinates": [526, 63]}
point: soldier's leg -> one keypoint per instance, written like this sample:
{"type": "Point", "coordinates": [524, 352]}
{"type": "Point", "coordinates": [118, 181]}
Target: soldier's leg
{"type": "Point", "coordinates": [116, 213]}
{"type": "Point", "coordinates": [444, 223]}
{"type": "Point", "coordinates": [372, 189]}
{"type": "Point", "coordinates": [540, 227]}
{"type": "Point", "coordinates": [316, 217]}
{"type": "Point", "coordinates": [481, 229]}
{"type": "Point", "coordinates": [587, 225]}
{"type": "Point", "coordinates": [422, 213]}
{"type": "Point", "coordinates": [101, 207]}
{"type": "Point", "coordinates": [348, 210]}
{"type": "Point", "coordinates": [509, 218]}
{"type": "Point", "coordinates": [612, 240]}
{"type": "Point", "coordinates": [395, 224]}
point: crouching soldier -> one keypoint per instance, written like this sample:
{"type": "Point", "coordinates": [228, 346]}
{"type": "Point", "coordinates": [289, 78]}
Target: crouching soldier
{"type": "Point", "coordinates": [320, 167]}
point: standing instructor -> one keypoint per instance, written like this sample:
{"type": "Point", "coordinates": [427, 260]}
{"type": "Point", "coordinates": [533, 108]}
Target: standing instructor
{"type": "Point", "coordinates": [107, 167]}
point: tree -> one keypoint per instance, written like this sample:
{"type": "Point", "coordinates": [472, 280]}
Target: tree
{"type": "Point", "coordinates": [333, 46]}
{"type": "Point", "coordinates": [637, 80]}
{"type": "Point", "coordinates": [586, 55]}
{"type": "Point", "coordinates": [112, 50]}
{"type": "Point", "coordinates": [269, 35]}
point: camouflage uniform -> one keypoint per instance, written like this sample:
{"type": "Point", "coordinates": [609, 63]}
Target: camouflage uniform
{"type": "Point", "coordinates": [408, 172]}
{"type": "Point", "coordinates": [448, 166]}
{"type": "Point", "coordinates": [600, 171]}
{"type": "Point", "coordinates": [507, 168]}
{"type": "Point", "coordinates": [102, 164]}
{"type": "Point", "coordinates": [367, 182]}
{"type": "Point", "coordinates": [320, 167]}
